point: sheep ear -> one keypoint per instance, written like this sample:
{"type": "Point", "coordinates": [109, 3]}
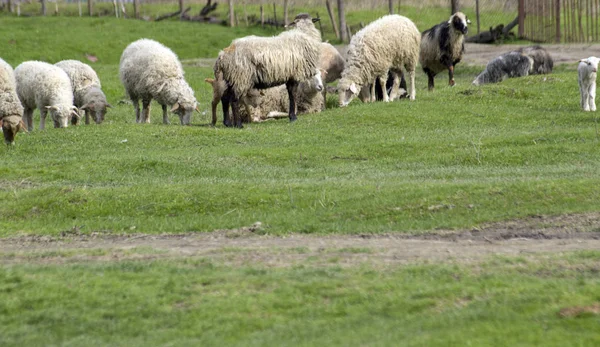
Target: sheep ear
{"type": "Point", "coordinates": [22, 126]}
{"type": "Point", "coordinates": [209, 80]}
{"type": "Point", "coordinates": [108, 105]}
{"type": "Point", "coordinates": [314, 20]}
{"type": "Point", "coordinates": [175, 107]}
{"type": "Point", "coordinates": [353, 88]}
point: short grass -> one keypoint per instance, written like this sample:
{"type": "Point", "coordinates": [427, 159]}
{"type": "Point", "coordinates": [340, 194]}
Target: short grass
{"type": "Point", "coordinates": [454, 158]}
{"type": "Point", "coordinates": [505, 301]}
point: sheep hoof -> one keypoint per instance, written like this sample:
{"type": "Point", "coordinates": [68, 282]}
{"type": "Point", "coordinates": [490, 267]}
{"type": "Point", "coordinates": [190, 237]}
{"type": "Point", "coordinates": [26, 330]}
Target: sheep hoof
{"type": "Point", "coordinates": [452, 83]}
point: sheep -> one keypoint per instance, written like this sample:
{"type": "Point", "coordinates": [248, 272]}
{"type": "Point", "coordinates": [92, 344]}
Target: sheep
{"type": "Point", "coordinates": [259, 105]}
{"type": "Point", "coordinates": [442, 47]}
{"type": "Point", "coordinates": [263, 62]}
{"type": "Point", "coordinates": [508, 65]}
{"type": "Point", "coordinates": [87, 92]}
{"type": "Point", "coordinates": [374, 91]}
{"type": "Point", "coordinates": [389, 43]}
{"type": "Point", "coordinates": [11, 110]}
{"type": "Point", "coordinates": [542, 60]}
{"type": "Point", "coordinates": [149, 70]}
{"type": "Point", "coordinates": [587, 71]}
{"type": "Point", "coordinates": [47, 87]}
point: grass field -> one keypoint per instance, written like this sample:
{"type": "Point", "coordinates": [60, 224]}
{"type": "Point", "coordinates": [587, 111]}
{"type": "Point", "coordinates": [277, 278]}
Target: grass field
{"type": "Point", "coordinates": [453, 159]}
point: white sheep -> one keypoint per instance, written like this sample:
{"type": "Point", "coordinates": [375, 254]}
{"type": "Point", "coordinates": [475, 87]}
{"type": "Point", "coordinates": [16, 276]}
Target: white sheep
{"type": "Point", "coordinates": [11, 111]}
{"type": "Point", "coordinates": [587, 71]}
{"type": "Point", "coordinates": [256, 62]}
{"type": "Point", "coordinates": [149, 70]}
{"type": "Point", "coordinates": [47, 87]}
{"type": "Point", "coordinates": [87, 90]}
{"type": "Point", "coordinates": [508, 65]}
{"type": "Point", "coordinates": [389, 43]}
{"type": "Point", "coordinates": [260, 105]}
{"type": "Point", "coordinates": [442, 47]}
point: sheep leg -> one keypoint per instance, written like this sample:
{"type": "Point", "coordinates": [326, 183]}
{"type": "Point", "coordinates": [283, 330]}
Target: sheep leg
{"type": "Point", "coordinates": [146, 111]}
{"type": "Point", "coordinates": [413, 92]}
{"type": "Point", "coordinates": [43, 112]}
{"type": "Point", "coordinates": [28, 116]}
{"type": "Point", "coordinates": [451, 82]}
{"type": "Point", "coordinates": [214, 104]}
{"type": "Point", "coordinates": [165, 115]}
{"type": "Point", "coordinates": [136, 105]}
{"type": "Point", "coordinates": [394, 92]}
{"type": "Point", "coordinates": [373, 96]}
{"type": "Point", "coordinates": [237, 117]}
{"type": "Point", "coordinates": [87, 117]}
{"type": "Point", "coordinates": [291, 89]}
{"type": "Point", "coordinates": [592, 96]}
{"type": "Point", "coordinates": [383, 82]}
{"type": "Point", "coordinates": [430, 76]}
{"type": "Point", "coordinates": [225, 102]}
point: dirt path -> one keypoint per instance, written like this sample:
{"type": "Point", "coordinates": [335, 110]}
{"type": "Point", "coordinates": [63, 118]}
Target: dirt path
{"type": "Point", "coordinates": [250, 246]}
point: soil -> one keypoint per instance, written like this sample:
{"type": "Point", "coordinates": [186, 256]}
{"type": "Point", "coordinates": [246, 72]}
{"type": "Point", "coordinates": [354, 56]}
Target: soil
{"type": "Point", "coordinates": [250, 245]}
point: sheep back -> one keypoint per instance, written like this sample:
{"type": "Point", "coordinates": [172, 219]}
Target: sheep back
{"type": "Point", "coordinates": [542, 60]}
{"type": "Point", "coordinates": [9, 101]}
{"type": "Point", "coordinates": [82, 77]}
{"type": "Point", "coordinates": [40, 84]}
{"type": "Point", "coordinates": [263, 62]}
{"type": "Point", "coordinates": [387, 43]}
{"type": "Point", "coordinates": [332, 62]}
{"type": "Point", "coordinates": [508, 65]}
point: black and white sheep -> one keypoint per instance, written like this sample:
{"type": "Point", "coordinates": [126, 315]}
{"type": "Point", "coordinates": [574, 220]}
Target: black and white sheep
{"type": "Point", "coordinates": [508, 65]}
{"type": "Point", "coordinates": [442, 47]}
{"type": "Point", "coordinates": [149, 70]}
{"type": "Point", "coordinates": [47, 87]}
{"type": "Point", "coordinates": [11, 110]}
{"type": "Point", "coordinates": [542, 60]}
{"type": "Point", "coordinates": [254, 62]}
{"type": "Point", "coordinates": [587, 72]}
{"type": "Point", "coordinates": [87, 90]}
{"type": "Point", "coordinates": [389, 43]}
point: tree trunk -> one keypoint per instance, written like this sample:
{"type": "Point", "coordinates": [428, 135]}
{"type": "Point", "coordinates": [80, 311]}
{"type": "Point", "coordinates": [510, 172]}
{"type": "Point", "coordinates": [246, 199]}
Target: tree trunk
{"type": "Point", "coordinates": [391, 6]}
{"type": "Point", "coordinates": [10, 6]}
{"type": "Point", "coordinates": [181, 6]}
{"type": "Point", "coordinates": [342, 20]}
{"type": "Point", "coordinates": [333, 22]}
{"type": "Point", "coordinates": [136, 9]}
{"type": "Point", "coordinates": [231, 14]}
{"type": "Point", "coordinates": [455, 6]}
{"type": "Point", "coordinates": [285, 12]}
{"type": "Point", "coordinates": [43, 7]}
{"type": "Point", "coordinates": [90, 7]}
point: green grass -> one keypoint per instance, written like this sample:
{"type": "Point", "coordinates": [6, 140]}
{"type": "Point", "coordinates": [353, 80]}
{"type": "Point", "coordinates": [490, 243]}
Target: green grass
{"type": "Point", "coordinates": [194, 301]}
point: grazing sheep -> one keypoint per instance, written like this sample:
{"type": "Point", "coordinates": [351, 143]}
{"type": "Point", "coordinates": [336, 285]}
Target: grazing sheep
{"type": "Point", "coordinates": [389, 43]}
{"type": "Point", "coordinates": [11, 111]}
{"type": "Point", "coordinates": [87, 92]}
{"type": "Point", "coordinates": [542, 60]}
{"type": "Point", "coordinates": [587, 71]}
{"type": "Point", "coordinates": [374, 91]}
{"type": "Point", "coordinates": [47, 87]}
{"type": "Point", "coordinates": [332, 63]}
{"type": "Point", "coordinates": [264, 62]}
{"type": "Point", "coordinates": [508, 65]}
{"type": "Point", "coordinates": [149, 71]}
{"type": "Point", "coordinates": [442, 47]}
{"type": "Point", "coordinates": [259, 105]}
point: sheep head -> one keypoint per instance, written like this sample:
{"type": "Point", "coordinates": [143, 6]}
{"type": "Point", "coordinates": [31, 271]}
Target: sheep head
{"type": "Point", "coordinates": [459, 22]}
{"type": "Point", "coordinates": [11, 125]}
{"type": "Point", "coordinates": [305, 24]}
{"type": "Point", "coordinates": [61, 114]}
{"type": "Point", "coordinates": [97, 109]}
{"type": "Point", "coordinates": [592, 62]}
{"type": "Point", "coordinates": [347, 90]}
{"type": "Point", "coordinates": [184, 109]}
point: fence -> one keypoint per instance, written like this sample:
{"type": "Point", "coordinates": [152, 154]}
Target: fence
{"type": "Point", "coordinates": [560, 21]}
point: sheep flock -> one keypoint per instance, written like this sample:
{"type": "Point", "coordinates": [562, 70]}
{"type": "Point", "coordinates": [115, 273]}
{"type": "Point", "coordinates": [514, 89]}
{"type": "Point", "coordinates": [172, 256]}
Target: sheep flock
{"type": "Point", "coordinates": [261, 78]}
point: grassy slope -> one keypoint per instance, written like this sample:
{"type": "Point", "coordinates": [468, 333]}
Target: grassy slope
{"type": "Point", "coordinates": [454, 158]}
{"type": "Point", "coordinates": [503, 302]}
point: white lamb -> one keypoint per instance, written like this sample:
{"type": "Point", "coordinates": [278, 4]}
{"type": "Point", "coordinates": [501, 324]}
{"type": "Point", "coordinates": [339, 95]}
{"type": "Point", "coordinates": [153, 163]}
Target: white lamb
{"type": "Point", "coordinates": [11, 111]}
{"type": "Point", "coordinates": [87, 91]}
{"type": "Point", "coordinates": [47, 87]}
{"type": "Point", "coordinates": [587, 70]}
{"type": "Point", "coordinates": [149, 71]}
{"type": "Point", "coordinates": [262, 62]}
{"type": "Point", "coordinates": [389, 43]}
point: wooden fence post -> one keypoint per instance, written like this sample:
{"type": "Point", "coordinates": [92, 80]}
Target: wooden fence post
{"type": "Point", "coordinates": [333, 22]}
{"type": "Point", "coordinates": [43, 7]}
{"type": "Point", "coordinates": [136, 9]}
{"type": "Point", "coordinates": [342, 20]}
{"type": "Point", "coordinates": [521, 18]}
{"type": "Point", "coordinates": [477, 16]}
{"type": "Point", "coordinates": [231, 14]}
{"type": "Point", "coordinates": [557, 4]}
{"type": "Point", "coordinates": [285, 12]}
{"type": "Point", "coordinates": [90, 7]}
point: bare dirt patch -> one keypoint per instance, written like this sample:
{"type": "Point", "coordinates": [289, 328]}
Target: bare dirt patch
{"type": "Point", "coordinates": [250, 245]}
